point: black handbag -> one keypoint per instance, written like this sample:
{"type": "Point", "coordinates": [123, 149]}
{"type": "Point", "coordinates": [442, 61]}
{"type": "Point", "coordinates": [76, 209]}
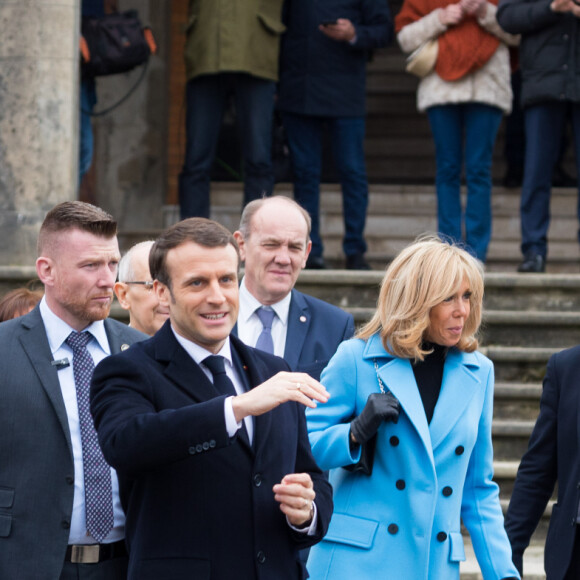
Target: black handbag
{"type": "Point", "coordinates": [114, 43]}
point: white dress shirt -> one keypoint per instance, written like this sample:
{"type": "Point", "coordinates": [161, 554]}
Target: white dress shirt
{"type": "Point", "coordinates": [250, 326]}
{"type": "Point", "coordinates": [57, 332]}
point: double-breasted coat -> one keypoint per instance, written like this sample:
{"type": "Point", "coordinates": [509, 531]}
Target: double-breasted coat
{"type": "Point", "coordinates": [404, 520]}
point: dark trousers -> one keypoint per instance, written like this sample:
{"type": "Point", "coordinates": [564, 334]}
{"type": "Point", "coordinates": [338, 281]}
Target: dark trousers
{"type": "Point", "coordinates": [304, 133]}
{"type": "Point", "coordinates": [545, 125]}
{"type": "Point", "coordinates": [115, 569]}
{"type": "Point", "coordinates": [207, 96]}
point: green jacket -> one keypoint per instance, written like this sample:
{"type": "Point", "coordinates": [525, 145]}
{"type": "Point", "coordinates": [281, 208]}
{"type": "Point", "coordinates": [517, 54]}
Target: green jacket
{"type": "Point", "coordinates": [233, 36]}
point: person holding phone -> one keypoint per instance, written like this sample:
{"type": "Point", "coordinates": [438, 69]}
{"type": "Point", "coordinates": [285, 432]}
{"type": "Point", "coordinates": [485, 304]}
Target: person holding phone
{"type": "Point", "coordinates": [322, 85]}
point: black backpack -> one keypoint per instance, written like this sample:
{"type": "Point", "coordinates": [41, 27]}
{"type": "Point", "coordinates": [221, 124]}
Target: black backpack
{"type": "Point", "coordinates": [116, 44]}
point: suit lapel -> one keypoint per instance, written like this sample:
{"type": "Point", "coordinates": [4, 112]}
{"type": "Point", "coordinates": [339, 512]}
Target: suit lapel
{"type": "Point", "coordinates": [35, 344]}
{"type": "Point", "coordinates": [180, 368]}
{"type": "Point", "coordinates": [298, 326]}
{"type": "Point", "coordinates": [458, 387]}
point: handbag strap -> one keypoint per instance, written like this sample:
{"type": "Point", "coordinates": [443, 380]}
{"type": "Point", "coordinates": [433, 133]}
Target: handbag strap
{"type": "Point", "coordinates": [145, 65]}
{"type": "Point", "coordinates": [381, 384]}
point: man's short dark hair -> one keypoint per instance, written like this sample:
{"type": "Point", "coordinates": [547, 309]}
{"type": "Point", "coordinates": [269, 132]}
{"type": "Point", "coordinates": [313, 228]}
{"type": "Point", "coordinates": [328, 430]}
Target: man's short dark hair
{"type": "Point", "coordinates": [79, 215]}
{"type": "Point", "coordinates": [200, 231]}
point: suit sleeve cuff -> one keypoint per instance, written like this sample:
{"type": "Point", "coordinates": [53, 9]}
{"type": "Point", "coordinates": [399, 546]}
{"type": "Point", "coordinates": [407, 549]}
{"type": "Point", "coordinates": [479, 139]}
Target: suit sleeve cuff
{"type": "Point", "coordinates": [311, 529]}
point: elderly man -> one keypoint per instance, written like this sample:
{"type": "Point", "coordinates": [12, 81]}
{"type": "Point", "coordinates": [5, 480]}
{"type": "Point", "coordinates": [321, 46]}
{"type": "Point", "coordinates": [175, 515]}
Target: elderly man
{"type": "Point", "coordinates": [208, 433]}
{"type": "Point", "coordinates": [135, 293]}
{"type": "Point", "coordinates": [274, 240]}
{"type": "Point", "coordinates": [60, 514]}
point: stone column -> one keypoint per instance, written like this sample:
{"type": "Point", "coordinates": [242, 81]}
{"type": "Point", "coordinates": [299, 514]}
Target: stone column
{"type": "Point", "coordinates": [38, 118]}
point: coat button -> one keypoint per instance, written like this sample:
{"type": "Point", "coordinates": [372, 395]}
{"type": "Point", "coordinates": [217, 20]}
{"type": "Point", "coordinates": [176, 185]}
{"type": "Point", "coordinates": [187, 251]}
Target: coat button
{"type": "Point", "coordinates": [400, 484]}
{"type": "Point", "coordinates": [261, 557]}
{"type": "Point", "coordinates": [459, 450]}
{"type": "Point", "coordinates": [394, 440]}
{"type": "Point", "coordinates": [192, 450]}
{"type": "Point", "coordinates": [441, 536]}
{"type": "Point", "coordinates": [212, 443]}
{"type": "Point", "coordinates": [447, 491]}
{"type": "Point", "coordinates": [205, 445]}
{"type": "Point", "coordinates": [393, 528]}
{"type": "Point", "coordinates": [65, 524]}
{"type": "Point", "coordinates": [199, 448]}
{"type": "Point", "coordinates": [257, 480]}
{"type": "Point", "coordinates": [70, 480]}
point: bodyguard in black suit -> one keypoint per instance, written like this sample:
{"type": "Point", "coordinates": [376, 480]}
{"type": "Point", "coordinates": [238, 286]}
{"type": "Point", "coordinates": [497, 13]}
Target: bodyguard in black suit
{"type": "Point", "coordinates": [274, 240]}
{"type": "Point", "coordinates": [217, 477]}
{"type": "Point", "coordinates": [553, 456]}
{"type": "Point", "coordinates": [43, 485]}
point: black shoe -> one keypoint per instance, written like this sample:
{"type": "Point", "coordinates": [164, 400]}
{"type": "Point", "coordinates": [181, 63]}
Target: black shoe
{"type": "Point", "coordinates": [513, 176]}
{"type": "Point", "coordinates": [561, 179]}
{"type": "Point", "coordinates": [315, 263]}
{"type": "Point", "coordinates": [533, 263]}
{"type": "Point", "coordinates": [357, 262]}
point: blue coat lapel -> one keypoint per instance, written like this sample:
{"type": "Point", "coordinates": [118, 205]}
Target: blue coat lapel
{"type": "Point", "coordinates": [397, 376]}
{"type": "Point", "coordinates": [457, 389]}
{"type": "Point", "coordinates": [298, 326]}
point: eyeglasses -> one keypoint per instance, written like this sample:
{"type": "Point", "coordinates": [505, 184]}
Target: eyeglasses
{"type": "Point", "coordinates": [148, 284]}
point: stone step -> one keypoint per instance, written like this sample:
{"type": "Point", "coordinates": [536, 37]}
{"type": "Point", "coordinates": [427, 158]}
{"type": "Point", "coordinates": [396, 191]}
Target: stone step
{"type": "Point", "coordinates": [399, 213]}
{"type": "Point", "coordinates": [516, 401]}
{"type": "Point", "coordinates": [503, 291]}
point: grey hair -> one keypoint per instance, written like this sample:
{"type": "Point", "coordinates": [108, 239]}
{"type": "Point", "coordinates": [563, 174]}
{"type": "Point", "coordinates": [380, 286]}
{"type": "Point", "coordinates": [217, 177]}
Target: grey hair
{"type": "Point", "coordinates": [126, 265]}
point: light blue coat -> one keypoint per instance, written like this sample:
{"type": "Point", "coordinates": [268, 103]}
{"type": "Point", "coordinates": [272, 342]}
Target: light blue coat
{"type": "Point", "coordinates": [404, 521]}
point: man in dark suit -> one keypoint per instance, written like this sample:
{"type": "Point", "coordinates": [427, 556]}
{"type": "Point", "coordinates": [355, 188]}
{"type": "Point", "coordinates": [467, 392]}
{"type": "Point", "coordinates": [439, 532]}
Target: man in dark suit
{"type": "Point", "coordinates": [50, 525]}
{"type": "Point", "coordinates": [553, 456]}
{"type": "Point", "coordinates": [274, 240]}
{"type": "Point", "coordinates": [209, 435]}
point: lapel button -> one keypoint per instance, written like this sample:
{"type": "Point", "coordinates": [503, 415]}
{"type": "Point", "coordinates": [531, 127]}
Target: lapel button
{"type": "Point", "coordinates": [303, 319]}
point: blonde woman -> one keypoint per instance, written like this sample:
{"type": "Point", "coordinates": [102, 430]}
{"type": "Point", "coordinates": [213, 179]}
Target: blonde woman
{"type": "Point", "coordinates": [412, 393]}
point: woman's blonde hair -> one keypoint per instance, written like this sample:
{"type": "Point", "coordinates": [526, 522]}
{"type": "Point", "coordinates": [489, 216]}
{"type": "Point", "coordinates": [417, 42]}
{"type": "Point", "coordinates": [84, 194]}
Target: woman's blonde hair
{"type": "Point", "coordinates": [420, 277]}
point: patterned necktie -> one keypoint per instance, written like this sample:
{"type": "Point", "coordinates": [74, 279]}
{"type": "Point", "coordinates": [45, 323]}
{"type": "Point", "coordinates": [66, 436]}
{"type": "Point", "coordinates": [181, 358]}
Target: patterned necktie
{"type": "Point", "coordinates": [221, 380]}
{"type": "Point", "coordinates": [98, 488]}
{"type": "Point", "coordinates": [265, 342]}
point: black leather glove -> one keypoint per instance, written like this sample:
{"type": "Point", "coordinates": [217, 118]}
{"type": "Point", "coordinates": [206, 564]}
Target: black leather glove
{"type": "Point", "coordinates": [379, 407]}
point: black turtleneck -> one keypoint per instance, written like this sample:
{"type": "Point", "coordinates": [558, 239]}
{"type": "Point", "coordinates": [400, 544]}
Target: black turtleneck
{"type": "Point", "coordinates": [429, 375]}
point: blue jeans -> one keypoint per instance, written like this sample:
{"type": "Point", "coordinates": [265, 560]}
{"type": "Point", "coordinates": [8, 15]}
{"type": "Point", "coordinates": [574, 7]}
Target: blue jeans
{"type": "Point", "coordinates": [87, 100]}
{"type": "Point", "coordinates": [206, 100]}
{"type": "Point", "coordinates": [545, 125]}
{"type": "Point", "coordinates": [466, 129]}
{"type": "Point", "coordinates": [304, 135]}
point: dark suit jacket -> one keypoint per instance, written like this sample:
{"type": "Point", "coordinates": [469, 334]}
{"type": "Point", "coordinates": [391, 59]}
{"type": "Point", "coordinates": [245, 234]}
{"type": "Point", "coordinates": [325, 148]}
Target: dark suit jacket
{"type": "Point", "coordinates": [553, 455]}
{"type": "Point", "coordinates": [315, 329]}
{"type": "Point", "coordinates": [199, 504]}
{"type": "Point", "coordinates": [36, 461]}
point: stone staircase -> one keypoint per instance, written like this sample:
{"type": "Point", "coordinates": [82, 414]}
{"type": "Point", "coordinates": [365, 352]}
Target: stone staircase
{"type": "Point", "coordinates": [397, 214]}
